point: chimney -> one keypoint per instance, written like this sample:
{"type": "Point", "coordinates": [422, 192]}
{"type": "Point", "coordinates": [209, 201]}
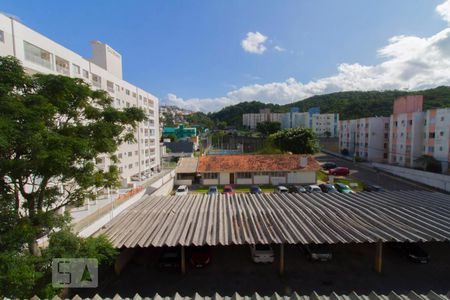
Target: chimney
{"type": "Point", "coordinates": [303, 161]}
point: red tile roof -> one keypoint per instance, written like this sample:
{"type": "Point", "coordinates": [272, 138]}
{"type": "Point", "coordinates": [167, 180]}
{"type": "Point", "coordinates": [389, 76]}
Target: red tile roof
{"type": "Point", "coordinates": [255, 163]}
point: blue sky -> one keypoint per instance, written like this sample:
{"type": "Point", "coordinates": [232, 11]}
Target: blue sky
{"type": "Point", "coordinates": [190, 53]}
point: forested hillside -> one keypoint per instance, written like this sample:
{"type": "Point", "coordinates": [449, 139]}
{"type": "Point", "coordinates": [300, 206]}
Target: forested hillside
{"type": "Point", "coordinates": [348, 104]}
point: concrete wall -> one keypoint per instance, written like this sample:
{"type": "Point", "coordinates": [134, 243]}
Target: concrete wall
{"type": "Point", "coordinates": [263, 179]}
{"type": "Point", "coordinates": [439, 181]}
{"type": "Point", "coordinates": [183, 182]}
{"type": "Point", "coordinates": [224, 178]}
{"type": "Point", "coordinates": [243, 181]}
{"type": "Point", "coordinates": [277, 180]}
{"type": "Point", "coordinates": [301, 178]}
{"type": "Point", "coordinates": [210, 181]}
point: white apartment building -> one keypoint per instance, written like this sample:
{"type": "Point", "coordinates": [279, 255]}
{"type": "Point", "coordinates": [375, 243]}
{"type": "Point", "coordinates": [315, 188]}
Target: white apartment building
{"type": "Point", "coordinates": [295, 119]}
{"type": "Point", "coordinates": [367, 138]}
{"type": "Point", "coordinates": [265, 115]}
{"type": "Point", "coordinates": [437, 136]}
{"type": "Point", "coordinates": [39, 54]}
{"type": "Point", "coordinates": [347, 136]}
{"type": "Point", "coordinates": [323, 123]}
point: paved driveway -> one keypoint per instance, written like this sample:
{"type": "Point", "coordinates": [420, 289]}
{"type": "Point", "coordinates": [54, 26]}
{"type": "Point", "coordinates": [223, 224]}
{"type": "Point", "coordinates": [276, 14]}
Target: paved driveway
{"type": "Point", "coordinates": [362, 172]}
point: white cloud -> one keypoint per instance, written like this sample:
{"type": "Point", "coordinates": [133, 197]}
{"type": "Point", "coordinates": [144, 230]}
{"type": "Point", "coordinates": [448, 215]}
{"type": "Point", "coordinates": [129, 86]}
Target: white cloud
{"type": "Point", "coordinates": [408, 63]}
{"type": "Point", "coordinates": [254, 43]}
{"type": "Point", "coordinates": [279, 49]}
{"type": "Point", "coordinates": [444, 10]}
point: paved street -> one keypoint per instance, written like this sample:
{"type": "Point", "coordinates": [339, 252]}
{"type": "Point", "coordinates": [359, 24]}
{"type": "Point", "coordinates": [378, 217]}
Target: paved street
{"type": "Point", "coordinates": [362, 172]}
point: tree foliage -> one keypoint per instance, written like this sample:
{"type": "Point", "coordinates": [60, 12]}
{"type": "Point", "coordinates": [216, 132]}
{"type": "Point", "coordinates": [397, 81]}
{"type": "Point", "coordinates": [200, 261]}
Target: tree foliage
{"type": "Point", "coordinates": [349, 105]}
{"type": "Point", "coordinates": [429, 163]}
{"type": "Point", "coordinates": [52, 128]}
{"type": "Point", "coordinates": [267, 128]}
{"type": "Point", "coordinates": [296, 140]}
{"type": "Point", "coordinates": [200, 120]}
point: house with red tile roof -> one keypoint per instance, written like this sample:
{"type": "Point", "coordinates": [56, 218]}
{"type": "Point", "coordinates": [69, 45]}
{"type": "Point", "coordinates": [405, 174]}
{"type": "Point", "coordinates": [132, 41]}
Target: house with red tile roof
{"type": "Point", "coordinates": [257, 169]}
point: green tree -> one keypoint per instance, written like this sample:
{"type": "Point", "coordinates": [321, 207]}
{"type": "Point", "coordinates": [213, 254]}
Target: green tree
{"type": "Point", "coordinates": [296, 140]}
{"type": "Point", "coordinates": [221, 125]}
{"type": "Point", "coordinates": [52, 128]}
{"type": "Point", "coordinates": [267, 128]}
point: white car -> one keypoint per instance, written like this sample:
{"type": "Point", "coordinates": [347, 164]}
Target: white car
{"type": "Point", "coordinates": [313, 189]}
{"type": "Point", "coordinates": [262, 253]}
{"type": "Point", "coordinates": [135, 177]}
{"type": "Point", "coordinates": [182, 190]}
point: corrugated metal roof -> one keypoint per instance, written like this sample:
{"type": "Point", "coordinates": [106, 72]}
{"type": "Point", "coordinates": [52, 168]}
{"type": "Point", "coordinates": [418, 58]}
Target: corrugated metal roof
{"type": "Point", "coordinates": [199, 219]}
{"type": "Point", "coordinates": [314, 296]}
{"type": "Point", "coordinates": [187, 165]}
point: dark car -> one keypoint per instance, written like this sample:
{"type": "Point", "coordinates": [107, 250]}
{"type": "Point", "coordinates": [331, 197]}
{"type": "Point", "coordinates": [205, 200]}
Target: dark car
{"type": "Point", "coordinates": [328, 165]}
{"type": "Point", "coordinates": [254, 189]}
{"type": "Point", "coordinates": [320, 252]}
{"type": "Point", "coordinates": [327, 188]}
{"type": "Point", "coordinates": [297, 189]}
{"type": "Point", "coordinates": [373, 188]}
{"type": "Point", "coordinates": [415, 253]}
{"type": "Point", "coordinates": [170, 258]}
{"type": "Point", "coordinates": [343, 188]}
{"type": "Point", "coordinates": [200, 256]}
{"type": "Point", "coordinates": [340, 171]}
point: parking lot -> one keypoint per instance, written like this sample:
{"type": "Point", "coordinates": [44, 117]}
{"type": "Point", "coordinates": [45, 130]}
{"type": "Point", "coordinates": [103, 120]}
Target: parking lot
{"type": "Point", "coordinates": [232, 270]}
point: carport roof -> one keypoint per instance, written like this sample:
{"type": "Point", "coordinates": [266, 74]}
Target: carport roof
{"type": "Point", "coordinates": [314, 296]}
{"type": "Point", "coordinates": [199, 219]}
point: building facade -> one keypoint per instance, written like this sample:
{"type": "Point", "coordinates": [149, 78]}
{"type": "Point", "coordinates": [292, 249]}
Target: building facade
{"type": "Point", "coordinates": [249, 169]}
{"type": "Point", "coordinates": [437, 136]}
{"type": "Point", "coordinates": [39, 54]}
{"type": "Point", "coordinates": [321, 124]}
{"type": "Point", "coordinates": [325, 124]}
{"type": "Point", "coordinates": [265, 115]}
{"type": "Point", "coordinates": [406, 136]}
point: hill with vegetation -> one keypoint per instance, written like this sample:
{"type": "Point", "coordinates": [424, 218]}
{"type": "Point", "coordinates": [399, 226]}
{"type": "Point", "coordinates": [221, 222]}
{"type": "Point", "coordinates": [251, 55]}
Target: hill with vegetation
{"type": "Point", "coordinates": [349, 105]}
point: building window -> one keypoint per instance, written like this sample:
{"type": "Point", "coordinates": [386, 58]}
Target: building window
{"type": "Point", "coordinates": [431, 135]}
{"type": "Point", "coordinates": [277, 174]}
{"type": "Point", "coordinates": [244, 175]}
{"type": "Point", "coordinates": [85, 74]}
{"type": "Point", "coordinates": [62, 66]}
{"type": "Point", "coordinates": [127, 92]}
{"type": "Point", "coordinates": [441, 133]}
{"type": "Point", "coordinates": [210, 175]}
{"type": "Point", "coordinates": [2, 36]}
{"type": "Point", "coordinates": [430, 149]}
{"type": "Point", "coordinates": [76, 69]}
{"type": "Point", "coordinates": [130, 154]}
{"type": "Point", "coordinates": [110, 86]}
{"type": "Point", "coordinates": [130, 166]}
{"type": "Point", "coordinates": [134, 95]}
{"type": "Point", "coordinates": [136, 152]}
{"type": "Point", "coordinates": [37, 55]}
{"type": "Point", "coordinates": [96, 80]}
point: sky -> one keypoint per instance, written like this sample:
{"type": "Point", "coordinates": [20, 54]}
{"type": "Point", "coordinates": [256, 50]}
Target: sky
{"type": "Point", "coordinates": [203, 55]}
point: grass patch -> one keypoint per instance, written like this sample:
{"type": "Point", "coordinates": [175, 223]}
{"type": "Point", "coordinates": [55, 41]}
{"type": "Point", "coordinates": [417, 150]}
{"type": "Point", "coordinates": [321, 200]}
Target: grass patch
{"type": "Point", "coordinates": [322, 176]}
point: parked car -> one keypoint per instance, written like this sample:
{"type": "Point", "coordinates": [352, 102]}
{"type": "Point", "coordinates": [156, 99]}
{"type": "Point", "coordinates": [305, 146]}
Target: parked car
{"type": "Point", "coordinates": [182, 190]}
{"type": "Point", "coordinates": [135, 178]}
{"type": "Point", "coordinates": [228, 190]}
{"type": "Point", "coordinates": [170, 258]}
{"type": "Point", "coordinates": [254, 189]}
{"type": "Point", "coordinates": [373, 188]}
{"type": "Point", "coordinates": [327, 188]}
{"type": "Point", "coordinates": [318, 252]}
{"type": "Point", "coordinates": [340, 171]}
{"type": "Point", "coordinates": [297, 189]}
{"type": "Point", "coordinates": [313, 189]}
{"type": "Point", "coordinates": [200, 256]}
{"type": "Point", "coordinates": [281, 189]}
{"type": "Point", "coordinates": [328, 165]}
{"type": "Point", "coordinates": [213, 190]}
{"type": "Point", "coordinates": [343, 188]}
{"type": "Point", "coordinates": [262, 253]}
